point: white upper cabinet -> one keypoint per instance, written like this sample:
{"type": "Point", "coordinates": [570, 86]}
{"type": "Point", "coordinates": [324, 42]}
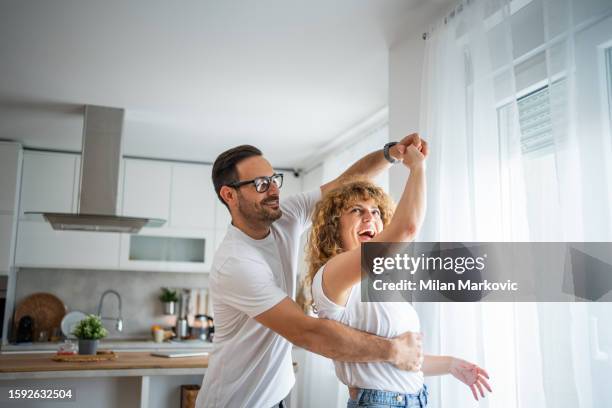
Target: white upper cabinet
{"type": "Point", "coordinates": [10, 156]}
{"type": "Point", "coordinates": [180, 193]}
{"type": "Point", "coordinates": [7, 234]}
{"type": "Point", "coordinates": [146, 188]}
{"type": "Point", "coordinates": [10, 171]}
{"type": "Point", "coordinates": [192, 197]}
{"type": "Point", "coordinates": [40, 246]}
{"type": "Point", "coordinates": [49, 182]}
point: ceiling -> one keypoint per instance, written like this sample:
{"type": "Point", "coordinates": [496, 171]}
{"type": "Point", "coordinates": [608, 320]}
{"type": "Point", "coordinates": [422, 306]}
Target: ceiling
{"type": "Point", "coordinates": [199, 76]}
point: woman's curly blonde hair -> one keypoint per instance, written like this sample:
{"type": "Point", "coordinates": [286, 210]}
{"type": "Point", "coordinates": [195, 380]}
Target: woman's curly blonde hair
{"type": "Point", "coordinates": [324, 239]}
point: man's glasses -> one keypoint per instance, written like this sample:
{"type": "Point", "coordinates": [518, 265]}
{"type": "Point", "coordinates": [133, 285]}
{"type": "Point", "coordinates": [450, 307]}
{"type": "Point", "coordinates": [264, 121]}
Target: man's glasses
{"type": "Point", "coordinates": [262, 184]}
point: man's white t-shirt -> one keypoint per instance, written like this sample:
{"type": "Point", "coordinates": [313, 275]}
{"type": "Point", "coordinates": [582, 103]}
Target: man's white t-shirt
{"type": "Point", "coordinates": [386, 319]}
{"type": "Point", "coordinates": [250, 365]}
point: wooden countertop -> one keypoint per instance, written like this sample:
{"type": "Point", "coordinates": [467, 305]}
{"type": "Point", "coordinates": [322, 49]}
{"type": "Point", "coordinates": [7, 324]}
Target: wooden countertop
{"type": "Point", "coordinates": [24, 363]}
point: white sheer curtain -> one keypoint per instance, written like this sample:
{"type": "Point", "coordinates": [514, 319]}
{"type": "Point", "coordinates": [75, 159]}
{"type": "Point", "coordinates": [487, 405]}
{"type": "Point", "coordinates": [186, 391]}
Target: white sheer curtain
{"type": "Point", "coordinates": [516, 107]}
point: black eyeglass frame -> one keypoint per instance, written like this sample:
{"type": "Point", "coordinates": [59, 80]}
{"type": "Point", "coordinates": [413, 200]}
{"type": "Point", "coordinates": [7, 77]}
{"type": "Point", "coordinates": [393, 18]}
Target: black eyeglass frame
{"type": "Point", "coordinates": [269, 179]}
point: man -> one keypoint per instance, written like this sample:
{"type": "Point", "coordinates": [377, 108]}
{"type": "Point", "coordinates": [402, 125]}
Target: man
{"type": "Point", "coordinates": [252, 283]}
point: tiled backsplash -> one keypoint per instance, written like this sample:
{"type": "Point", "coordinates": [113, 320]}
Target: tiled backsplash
{"type": "Point", "coordinates": [81, 290]}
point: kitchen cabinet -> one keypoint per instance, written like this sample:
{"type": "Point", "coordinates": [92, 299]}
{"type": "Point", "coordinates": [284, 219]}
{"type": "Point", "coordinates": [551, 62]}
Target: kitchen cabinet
{"type": "Point", "coordinates": [40, 246]}
{"type": "Point", "coordinates": [50, 182]}
{"type": "Point", "coordinates": [10, 161]}
{"type": "Point", "coordinates": [192, 197]}
{"type": "Point", "coordinates": [146, 188]}
{"type": "Point", "coordinates": [7, 234]}
{"type": "Point", "coordinates": [159, 249]}
{"type": "Point", "coordinates": [183, 195]}
{"type": "Point", "coordinates": [10, 175]}
{"type": "Point", "coordinates": [134, 379]}
{"type": "Point", "coordinates": [180, 193]}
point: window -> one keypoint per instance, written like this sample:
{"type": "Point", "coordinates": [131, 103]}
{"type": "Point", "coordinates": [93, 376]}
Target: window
{"type": "Point", "coordinates": [536, 118]}
{"type": "Point", "coordinates": [539, 124]}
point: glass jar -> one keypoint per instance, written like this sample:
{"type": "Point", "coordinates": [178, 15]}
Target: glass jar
{"type": "Point", "coordinates": [67, 348]}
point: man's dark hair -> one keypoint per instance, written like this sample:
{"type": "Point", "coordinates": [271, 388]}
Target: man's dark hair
{"type": "Point", "coordinates": [224, 169]}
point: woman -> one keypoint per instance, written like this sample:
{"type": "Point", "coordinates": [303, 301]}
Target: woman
{"type": "Point", "coordinates": [359, 211]}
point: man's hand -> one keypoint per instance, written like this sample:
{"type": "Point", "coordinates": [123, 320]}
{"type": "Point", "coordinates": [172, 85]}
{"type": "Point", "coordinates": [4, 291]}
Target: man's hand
{"type": "Point", "coordinates": [411, 139]}
{"type": "Point", "coordinates": [399, 149]}
{"type": "Point", "coordinates": [408, 351]}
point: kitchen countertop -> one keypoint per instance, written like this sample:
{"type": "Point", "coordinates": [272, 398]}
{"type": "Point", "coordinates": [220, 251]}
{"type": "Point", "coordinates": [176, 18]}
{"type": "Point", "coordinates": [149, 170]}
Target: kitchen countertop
{"type": "Point", "coordinates": [127, 364]}
{"type": "Point", "coordinates": [16, 366]}
{"type": "Point", "coordinates": [113, 344]}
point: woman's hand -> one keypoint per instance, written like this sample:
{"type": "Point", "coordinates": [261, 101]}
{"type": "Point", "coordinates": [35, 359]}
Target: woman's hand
{"type": "Point", "coordinates": [471, 375]}
{"type": "Point", "coordinates": [413, 151]}
{"type": "Point", "coordinates": [414, 158]}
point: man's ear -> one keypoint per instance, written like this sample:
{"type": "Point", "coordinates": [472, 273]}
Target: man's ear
{"type": "Point", "coordinates": [228, 195]}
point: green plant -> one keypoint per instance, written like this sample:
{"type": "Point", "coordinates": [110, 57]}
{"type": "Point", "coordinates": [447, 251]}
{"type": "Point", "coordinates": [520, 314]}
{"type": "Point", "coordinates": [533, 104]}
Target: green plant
{"type": "Point", "coordinates": [168, 295]}
{"type": "Point", "coordinates": [90, 328]}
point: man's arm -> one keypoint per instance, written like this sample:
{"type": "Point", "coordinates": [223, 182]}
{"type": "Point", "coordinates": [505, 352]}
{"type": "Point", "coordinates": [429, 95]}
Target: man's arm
{"type": "Point", "coordinates": [339, 342]}
{"type": "Point", "coordinates": [374, 163]}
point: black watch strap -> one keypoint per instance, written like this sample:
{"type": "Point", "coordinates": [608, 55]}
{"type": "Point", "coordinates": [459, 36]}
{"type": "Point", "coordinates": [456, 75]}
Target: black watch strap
{"type": "Point", "coordinates": [389, 158]}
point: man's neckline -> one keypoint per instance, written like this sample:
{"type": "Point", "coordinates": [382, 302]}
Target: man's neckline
{"type": "Point", "coordinates": [248, 237]}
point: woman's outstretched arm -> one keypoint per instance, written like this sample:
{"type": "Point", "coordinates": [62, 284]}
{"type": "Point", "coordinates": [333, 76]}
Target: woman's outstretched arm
{"type": "Point", "coordinates": [468, 373]}
{"type": "Point", "coordinates": [344, 270]}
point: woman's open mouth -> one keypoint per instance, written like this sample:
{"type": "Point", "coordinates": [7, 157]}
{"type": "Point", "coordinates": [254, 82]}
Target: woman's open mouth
{"type": "Point", "coordinates": [366, 235]}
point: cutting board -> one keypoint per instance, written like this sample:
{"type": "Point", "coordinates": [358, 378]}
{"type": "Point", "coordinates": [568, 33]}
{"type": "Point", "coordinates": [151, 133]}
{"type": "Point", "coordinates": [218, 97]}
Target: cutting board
{"type": "Point", "coordinates": [45, 309]}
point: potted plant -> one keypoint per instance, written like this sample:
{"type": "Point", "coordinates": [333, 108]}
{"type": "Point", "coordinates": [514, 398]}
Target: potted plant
{"type": "Point", "coordinates": [169, 298]}
{"type": "Point", "coordinates": [89, 331]}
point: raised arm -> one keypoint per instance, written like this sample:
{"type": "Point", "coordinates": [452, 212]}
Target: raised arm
{"type": "Point", "coordinates": [410, 210]}
{"type": "Point", "coordinates": [339, 342]}
{"type": "Point", "coordinates": [344, 270]}
{"type": "Point", "coordinates": [374, 163]}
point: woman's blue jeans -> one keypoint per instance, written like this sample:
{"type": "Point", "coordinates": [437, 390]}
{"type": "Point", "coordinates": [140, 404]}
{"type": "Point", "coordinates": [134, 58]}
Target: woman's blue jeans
{"type": "Point", "coordinates": [388, 399]}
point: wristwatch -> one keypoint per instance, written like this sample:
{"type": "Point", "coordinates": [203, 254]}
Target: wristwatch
{"type": "Point", "coordinates": [390, 158]}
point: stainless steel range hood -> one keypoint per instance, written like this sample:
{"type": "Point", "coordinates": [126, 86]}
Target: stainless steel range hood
{"type": "Point", "coordinates": [99, 183]}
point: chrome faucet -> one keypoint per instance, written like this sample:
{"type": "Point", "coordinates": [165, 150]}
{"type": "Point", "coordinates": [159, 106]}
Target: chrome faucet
{"type": "Point", "coordinates": [118, 319]}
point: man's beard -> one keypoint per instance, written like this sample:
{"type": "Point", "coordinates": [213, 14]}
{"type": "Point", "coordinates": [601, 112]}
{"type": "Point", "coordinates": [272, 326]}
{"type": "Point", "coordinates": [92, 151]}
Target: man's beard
{"type": "Point", "coordinates": [259, 212]}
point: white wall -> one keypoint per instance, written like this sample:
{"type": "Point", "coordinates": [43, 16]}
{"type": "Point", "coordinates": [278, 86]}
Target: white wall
{"type": "Point", "coordinates": [405, 69]}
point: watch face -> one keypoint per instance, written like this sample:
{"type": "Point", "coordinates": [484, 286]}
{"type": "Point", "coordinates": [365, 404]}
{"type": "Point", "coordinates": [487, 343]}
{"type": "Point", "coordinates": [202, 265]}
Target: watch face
{"type": "Point", "coordinates": [390, 158]}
